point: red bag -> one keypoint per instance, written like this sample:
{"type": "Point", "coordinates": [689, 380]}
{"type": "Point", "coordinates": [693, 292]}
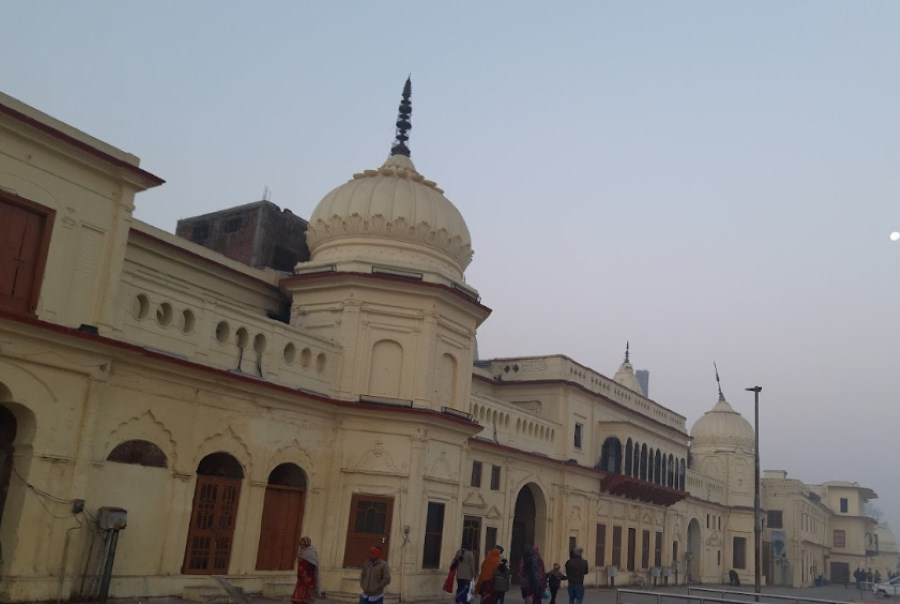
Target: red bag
{"type": "Point", "coordinates": [450, 583]}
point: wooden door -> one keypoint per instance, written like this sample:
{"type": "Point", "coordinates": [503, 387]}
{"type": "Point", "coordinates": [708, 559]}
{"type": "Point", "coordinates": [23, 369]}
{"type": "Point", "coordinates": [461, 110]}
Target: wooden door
{"type": "Point", "coordinates": [282, 523]}
{"type": "Point", "coordinates": [369, 524]}
{"type": "Point", "coordinates": [24, 239]}
{"type": "Point", "coordinates": [211, 531]}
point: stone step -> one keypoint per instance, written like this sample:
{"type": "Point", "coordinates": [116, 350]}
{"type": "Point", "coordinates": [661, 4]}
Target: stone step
{"type": "Point", "coordinates": [207, 594]}
{"type": "Point", "coordinates": [276, 590]}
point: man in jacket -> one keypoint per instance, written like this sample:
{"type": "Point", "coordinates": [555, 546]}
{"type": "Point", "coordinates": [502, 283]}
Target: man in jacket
{"type": "Point", "coordinates": [576, 569]}
{"type": "Point", "coordinates": [466, 571]}
{"type": "Point", "coordinates": [376, 575]}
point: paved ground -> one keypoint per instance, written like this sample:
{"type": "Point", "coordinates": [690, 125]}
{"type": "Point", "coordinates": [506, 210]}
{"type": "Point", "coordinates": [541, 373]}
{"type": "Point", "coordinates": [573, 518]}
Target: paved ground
{"type": "Point", "coordinates": [667, 595]}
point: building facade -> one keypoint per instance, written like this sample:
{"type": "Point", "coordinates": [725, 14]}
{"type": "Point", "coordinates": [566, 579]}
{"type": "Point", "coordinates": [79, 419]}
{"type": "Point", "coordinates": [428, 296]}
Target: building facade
{"type": "Point", "coordinates": [230, 408]}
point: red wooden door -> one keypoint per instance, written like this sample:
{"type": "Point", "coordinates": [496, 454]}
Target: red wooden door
{"type": "Point", "coordinates": [369, 524]}
{"type": "Point", "coordinates": [212, 526]}
{"type": "Point", "coordinates": [282, 523]}
{"type": "Point", "coordinates": [24, 238]}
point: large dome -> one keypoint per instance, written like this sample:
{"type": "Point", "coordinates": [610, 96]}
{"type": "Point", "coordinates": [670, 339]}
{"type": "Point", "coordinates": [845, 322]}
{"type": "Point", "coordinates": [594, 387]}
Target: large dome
{"type": "Point", "coordinates": [722, 425]}
{"type": "Point", "coordinates": [391, 216]}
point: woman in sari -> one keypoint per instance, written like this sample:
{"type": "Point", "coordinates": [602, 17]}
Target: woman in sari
{"type": "Point", "coordinates": [484, 585]}
{"type": "Point", "coordinates": [531, 572]}
{"type": "Point", "coordinates": [307, 588]}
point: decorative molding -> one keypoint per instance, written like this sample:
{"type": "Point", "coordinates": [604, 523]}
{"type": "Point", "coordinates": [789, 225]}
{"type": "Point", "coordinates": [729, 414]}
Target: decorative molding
{"type": "Point", "coordinates": [376, 460]}
{"type": "Point", "coordinates": [322, 230]}
{"type": "Point", "coordinates": [575, 517]}
{"type": "Point", "coordinates": [220, 442]}
{"type": "Point", "coordinates": [474, 500]}
{"type": "Point", "coordinates": [440, 468]}
{"type": "Point", "coordinates": [143, 426]}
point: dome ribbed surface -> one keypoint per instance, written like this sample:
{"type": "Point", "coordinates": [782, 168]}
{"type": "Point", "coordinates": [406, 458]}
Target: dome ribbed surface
{"type": "Point", "coordinates": [722, 425]}
{"type": "Point", "coordinates": [389, 205]}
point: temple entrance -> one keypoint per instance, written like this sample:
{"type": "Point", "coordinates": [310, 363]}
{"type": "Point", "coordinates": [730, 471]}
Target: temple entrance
{"type": "Point", "coordinates": [692, 560]}
{"type": "Point", "coordinates": [282, 518]}
{"type": "Point", "coordinates": [213, 515]}
{"type": "Point", "coordinates": [528, 524]}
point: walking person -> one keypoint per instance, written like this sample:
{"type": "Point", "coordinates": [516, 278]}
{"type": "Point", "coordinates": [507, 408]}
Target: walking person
{"type": "Point", "coordinates": [532, 574]}
{"type": "Point", "coordinates": [502, 578]}
{"type": "Point", "coordinates": [466, 571]}
{"type": "Point", "coordinates": [554, 579]}
{"type": "Point", "coordinates": [375, 576]}
{"type": "Point", "coordinates": [576, 569]}
{"type": "Point", "coordinates": [485, 584]}
{"type": "Point", "coordinates": [307, 588]}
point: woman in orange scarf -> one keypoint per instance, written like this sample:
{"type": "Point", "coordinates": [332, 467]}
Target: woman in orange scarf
{"type": "Point", "coordinates": [485, 584]}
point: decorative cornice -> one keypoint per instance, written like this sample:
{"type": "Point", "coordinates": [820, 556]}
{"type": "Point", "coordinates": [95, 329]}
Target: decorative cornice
{"type": "Point", "coordinates": [322, 231]}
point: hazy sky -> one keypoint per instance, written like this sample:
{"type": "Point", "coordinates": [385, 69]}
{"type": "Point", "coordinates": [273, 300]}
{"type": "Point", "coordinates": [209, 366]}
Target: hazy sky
{"type": "Point", "coordinates": [709, 180]}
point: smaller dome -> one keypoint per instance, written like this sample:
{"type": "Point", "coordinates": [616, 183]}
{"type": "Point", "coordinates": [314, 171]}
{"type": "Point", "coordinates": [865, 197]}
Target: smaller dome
{"type": "Point", "coordinates": [722, 425]}
{"type": "Point", "coordinates": [625, 377]}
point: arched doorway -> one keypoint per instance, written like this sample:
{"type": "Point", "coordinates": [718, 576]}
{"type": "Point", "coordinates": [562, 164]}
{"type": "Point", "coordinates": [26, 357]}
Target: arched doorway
{"type": "Point", "coordinates": [211, 533]}
{"type": "Point", "coordinates": [529, 521]}
{"type": "Point", "coordinates": [692, 555]}
{"type": "Point", "coordinates": [282, 518]}
{"type": "Point", "coordinates": [8, 428]}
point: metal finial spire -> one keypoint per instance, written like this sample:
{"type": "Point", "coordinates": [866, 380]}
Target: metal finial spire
{"type": "Point", "coordinates": [627, 351]}
{"type": "Point", "coordinates": [718, 383]}
{"type": "Point", "coordinates": [403, 124]}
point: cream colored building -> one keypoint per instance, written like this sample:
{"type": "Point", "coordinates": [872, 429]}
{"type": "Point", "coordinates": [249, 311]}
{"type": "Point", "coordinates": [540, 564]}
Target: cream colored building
{"type": "Point", "coordinates": [796, 527]}
{"type": "Point", "coordinates": [141, 371]}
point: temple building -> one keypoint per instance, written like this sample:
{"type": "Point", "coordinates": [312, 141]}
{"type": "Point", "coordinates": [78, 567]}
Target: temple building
{"type": "Point", "coordinates": [196, 413]}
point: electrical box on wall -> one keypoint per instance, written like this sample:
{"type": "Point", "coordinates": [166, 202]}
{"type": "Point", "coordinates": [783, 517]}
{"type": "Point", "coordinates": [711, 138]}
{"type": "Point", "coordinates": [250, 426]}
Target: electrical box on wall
{"type": "Point", "coordinates": [109, 518]}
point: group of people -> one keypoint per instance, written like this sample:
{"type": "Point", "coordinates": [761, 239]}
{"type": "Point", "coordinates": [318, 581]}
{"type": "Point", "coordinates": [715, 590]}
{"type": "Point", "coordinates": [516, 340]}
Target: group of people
{"type": "Point", "coordinates": [491, 582]}
{"type": "Point", "coordinates": [495, 576]}
{"type": "Point", "coordinates": [375, 575]}
{"type": "Point", "coordinates": [865, 576]}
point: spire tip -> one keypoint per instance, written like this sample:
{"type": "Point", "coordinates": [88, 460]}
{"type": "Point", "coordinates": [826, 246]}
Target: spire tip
{"type": "Point", "coordinates": [403, 121]}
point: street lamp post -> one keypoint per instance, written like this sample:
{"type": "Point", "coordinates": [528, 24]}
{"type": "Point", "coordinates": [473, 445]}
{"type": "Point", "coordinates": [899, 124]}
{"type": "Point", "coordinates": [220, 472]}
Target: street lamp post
{"type": "Point", "coordinates": [757, 520]}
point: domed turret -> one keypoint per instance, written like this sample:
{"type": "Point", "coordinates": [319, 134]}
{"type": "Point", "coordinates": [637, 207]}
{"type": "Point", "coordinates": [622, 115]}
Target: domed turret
{"type": "Point", "coordinates": [391, 217]}
{"type": "Point", "coordinates": [625, 374]}
{"type": "Point", "coordinates": [722, 426]}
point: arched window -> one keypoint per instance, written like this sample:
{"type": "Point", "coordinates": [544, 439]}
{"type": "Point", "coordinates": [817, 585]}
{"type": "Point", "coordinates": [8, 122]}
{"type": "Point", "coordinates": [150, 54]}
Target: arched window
{"type": "Point", "coordinates": [671, 475]}
{"type": "Point", "coordinates": [681, 474]}
{"type": "Point", "coordinates": [663, 477]}
{"type": "Point", "coordinates": [139, 453]}
{"type": "Point", "coordinates": [629, 455]}
{"type": "Point", "coordinates": [611, 456]}
{"type": "Point", "coordinates": [643, 475]}
{"type": "Point", "coordinates": [651, 476]}
{"type": "Point", "coordinates": [636, 463]}
{"type": "Point", "coordinates": [222, 465]}
{"type": "Point", "coordinates": [657, 468]}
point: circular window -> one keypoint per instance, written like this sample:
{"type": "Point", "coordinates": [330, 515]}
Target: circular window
{"type": "Point", "coordinates": [259, 343]}
{"type": "Point", "coordinates": [164, 313]}
{"type": "Point", "coordinates": [305, 357]}
{"type": "Point", "coordinates": [141, 307]}
{"type": "Point", "coordinates": [222, 332]}
{"type": "Point", "coordinates": [187, 321]}
{"type": "Point", "coordinates": [242, 338]}
{"type": "Point", "coordinates": [320, 362]}
{"type": "Point", "coordinates": [290, 353]}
